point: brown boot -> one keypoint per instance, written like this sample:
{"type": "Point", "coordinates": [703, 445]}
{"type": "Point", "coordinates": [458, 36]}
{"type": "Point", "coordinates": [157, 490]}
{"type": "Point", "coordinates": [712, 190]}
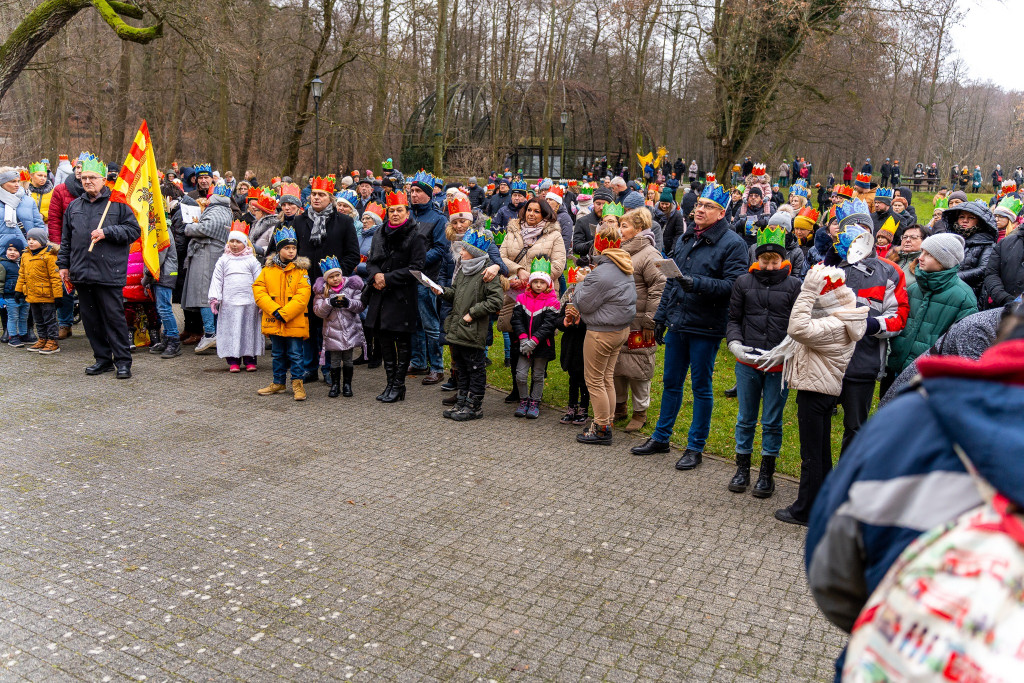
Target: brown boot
{"type": "Point", "coordinates": [65, 332]}
{"type": "Point", "coordinates": [620, 412]}
{"type": "Point", "coordinates": [50, 347]}
{"type": "Point", "coordinates": [638, 421]}
{"type": "Point", "coordinates": [38, 346]}
{"type": "Point", "coordinates": [298, 390]}
{"type": "Point", "coordinates": [274, 388]}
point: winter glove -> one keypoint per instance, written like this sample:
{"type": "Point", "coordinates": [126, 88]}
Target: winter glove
{"type": "Point", "coordinates": [277, 314]}
{"type": "Point", "coordinates": [659, 333]}
{"type": "Point", "coordinates": [770, 359]}
{"type": "Point", "coordinates": [762, 221]}
{"type": "Point", "coordinates": [214, 306]}
{"type": "Point", "coordinates": [740, 351]}
{"type": "Point", "coordinates": [686, 282]}
{"type": "Point", "coordinates": [874, 327]}
{"type": "Point", "coordinates": [527, 346]}
{"type": "Point", "coordinates": [19, 298]}
{"type": "Point", "coordinates": [339, 301]}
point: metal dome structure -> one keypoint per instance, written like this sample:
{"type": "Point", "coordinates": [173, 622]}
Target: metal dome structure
{"type": "Point", "coordinates": [514, 125]}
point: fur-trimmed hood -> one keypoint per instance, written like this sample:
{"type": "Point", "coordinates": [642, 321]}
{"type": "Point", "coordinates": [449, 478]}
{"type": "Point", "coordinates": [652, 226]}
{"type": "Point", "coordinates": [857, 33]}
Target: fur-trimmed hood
{"type": "Point", "coordinates": [299, 262]}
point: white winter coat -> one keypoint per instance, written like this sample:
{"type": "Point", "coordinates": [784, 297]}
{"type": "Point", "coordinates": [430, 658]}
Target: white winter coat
{"type": "Point", "coordinates": [232, 280]}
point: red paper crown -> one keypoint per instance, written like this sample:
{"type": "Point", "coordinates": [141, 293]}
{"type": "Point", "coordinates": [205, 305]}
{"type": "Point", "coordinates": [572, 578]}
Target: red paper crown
{"type": "Point", "coordinates": [571, 275]}
{"type": "Point", "coordinates": [490, 186]}
{"type": "Point", "coordinates": [254, 193]}
{"type": "Point", "coordinates": [289, 188]}
{"type": "Point", "coordinates": [831, 283]}
{"type": "Point", "coordinates": [376, 209]}
{"type": "Point", "coordinates": [458, 203]}
{"type": "Point", "coordinates": [275, 180]}
{"type": "Point", "coordinates": [1009, 187]}
{"type": "Point", "coordinates": [323, 184]}
{"type": "Point", "coordinates": [573, 183]}
{"type": "Point", "coordinates": [711, 178]}
{"type": "Point", "coordinates": [809, 213]}
{"type": "Point", "coordinates": [397, 199]}
{"type": "Point", "coordinates": [600, 244]}
{"type": "Point", "coordinates": [864, 178]}
{"type": "Point", "coordinates": [557, 189]}
{"type": "Point", "coordinates": [62, 157]}
{"type": "Point", "coordinates": [267, 204]}
{"type": "Point", "coordinates": [240, 226]}
{"type": "Point", "coordinates": [844, 191]}
{"type": "Point", "coordinates": [759, 169]}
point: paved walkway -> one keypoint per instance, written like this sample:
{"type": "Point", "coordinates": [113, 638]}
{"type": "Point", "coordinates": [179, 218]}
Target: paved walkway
{"type": "Point", "coordinates": [177, 526]}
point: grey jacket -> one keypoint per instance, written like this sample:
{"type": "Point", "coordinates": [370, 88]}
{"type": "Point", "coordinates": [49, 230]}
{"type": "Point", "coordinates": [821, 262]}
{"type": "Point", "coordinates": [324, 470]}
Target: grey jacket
{"type": "Point", "coordinates": [606, 298]}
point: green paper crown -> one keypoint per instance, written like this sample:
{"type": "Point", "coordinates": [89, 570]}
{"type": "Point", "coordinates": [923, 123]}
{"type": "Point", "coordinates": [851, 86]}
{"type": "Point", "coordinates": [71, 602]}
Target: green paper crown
{"type": "Point", "coordinates": [36, 167]}
{"type": "Point", "coordinates": [942, 203]}
{"type": "Point", "coordinates": [541, 265]}
{"type": "Point", "coordinates": [587, 190]}
{"type": "Point", "coordinates": [613, 210]}
{"type": "Point", "coordinates": [1012, 203]}
{"type": "Point", "coordinates": [773, 234]}
{"type": "Point", "coordinates": [94, 165]}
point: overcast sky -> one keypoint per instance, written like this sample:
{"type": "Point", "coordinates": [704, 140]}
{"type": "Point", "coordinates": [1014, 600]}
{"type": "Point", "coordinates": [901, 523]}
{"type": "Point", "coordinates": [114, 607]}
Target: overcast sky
{"type": "Point", "coordinates": [987, 39]}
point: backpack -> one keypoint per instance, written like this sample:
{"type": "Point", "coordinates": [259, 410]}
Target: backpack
{"type": "Point", "coordinates": [952, 606]}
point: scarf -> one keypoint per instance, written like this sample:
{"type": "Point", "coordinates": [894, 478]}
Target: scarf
{"type": "Point", "coordinates": [472, 266]}
{"type": "Point", "coordinates": [530, 235]}
{"type": "Point", "coordinates": [47, 187]}
{"type": "Point", "coordinates": [319, 220]}
{"type": "Point", "coordinates": [10, 202]}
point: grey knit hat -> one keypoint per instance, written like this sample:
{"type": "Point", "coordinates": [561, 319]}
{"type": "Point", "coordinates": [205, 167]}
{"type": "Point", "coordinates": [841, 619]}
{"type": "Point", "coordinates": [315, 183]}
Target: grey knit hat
{"type": "Point", "coordinates": [946, 247]}
{"type": "Point", "coordinates": [958, 194]}
{"type": "Point", "coordinates": [603, 195]}
{"type": "Point", "coordinates": [782, 218]}
{"type": "Point", "coordinates": [291, 199]}
{"type": "Point", "coordinates": [39, 235]}
{"type": "Point", "coordinates": [633, 200]}
{"type": "Point", "coordinates": [8, 176]}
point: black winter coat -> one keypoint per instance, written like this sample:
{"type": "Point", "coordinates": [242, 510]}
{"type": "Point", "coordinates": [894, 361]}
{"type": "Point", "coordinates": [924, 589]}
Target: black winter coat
{"type": "Point", "coordinates": [977, 251]}
{"type": "Point", "coordinates": [495, 202]}
{"type": "Point", "coordinates": [107, 263]}
{"type": "Point", "coordinates": [394, 252]}
{"type": "Point", "coordinates": [545, 322]}
{"type": "Point", "coordinates": [759, 307]}
{"type": "Point", "coordinates": [674, 226]}
{"type": "Point", "coordinates": [1004, 273]}
{"type": "Point", "coordinates": [583, 234]}
{"type": "Point", "coordinates": [476, 196]}
{"type": "Point", "coordinates": [339, 240]}
{"type": "Point", "coordinates": [570, 356]}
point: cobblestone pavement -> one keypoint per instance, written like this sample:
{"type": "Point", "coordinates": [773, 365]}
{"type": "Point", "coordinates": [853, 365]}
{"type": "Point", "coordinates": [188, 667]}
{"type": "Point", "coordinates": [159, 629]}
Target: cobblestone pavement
{"type": "Point", "coordinates": [176, 526]}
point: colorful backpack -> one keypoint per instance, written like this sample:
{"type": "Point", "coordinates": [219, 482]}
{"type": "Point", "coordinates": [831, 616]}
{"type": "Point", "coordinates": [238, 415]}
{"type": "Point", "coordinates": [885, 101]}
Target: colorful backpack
{"type": "Point", "coordinates": [952, 606]}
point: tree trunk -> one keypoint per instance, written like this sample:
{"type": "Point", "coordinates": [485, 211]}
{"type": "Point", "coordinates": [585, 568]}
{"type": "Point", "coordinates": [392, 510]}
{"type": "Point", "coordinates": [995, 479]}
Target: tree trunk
{"type": "Point", "coordinates": [117, 149]}
{"type": "Point", "coordinates": [380, 104]}
{"type": "Point", "coordinates": [440, 86]}
{"type": "Point", "coordinates": [173, 134]}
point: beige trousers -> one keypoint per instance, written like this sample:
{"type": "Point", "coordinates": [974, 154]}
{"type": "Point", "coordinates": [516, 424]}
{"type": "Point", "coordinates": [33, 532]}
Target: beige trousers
{"type": "Point", "coordinates": [600, 352]}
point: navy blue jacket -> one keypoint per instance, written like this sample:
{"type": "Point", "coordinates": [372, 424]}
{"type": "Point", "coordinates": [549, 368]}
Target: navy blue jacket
{"type": "Point", "coordinates": [714, 260]}
{"type": "Point", "coordinates": [431, 226]}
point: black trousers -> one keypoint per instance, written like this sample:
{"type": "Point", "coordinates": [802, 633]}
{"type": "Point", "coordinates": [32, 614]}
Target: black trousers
{"type": "Point", "coordinates": [814, 419]}
{"type": "Point", "coordinates": [470, 369]}
{"type": "Point", "coordinates": [103, 319]}
{"type": "Point", "coordinates": [579, 395]}
{"type": "Point", "coordinates": [856, 402]}
{"type": "Point", "coordinates": [45, 314]}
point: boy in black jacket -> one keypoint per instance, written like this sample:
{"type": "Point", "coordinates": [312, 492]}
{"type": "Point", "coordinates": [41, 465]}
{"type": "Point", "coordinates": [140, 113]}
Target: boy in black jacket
{"type": "Point", "coordinates": [759, 309]}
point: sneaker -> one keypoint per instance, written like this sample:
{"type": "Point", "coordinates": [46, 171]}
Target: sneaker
{"type": "Point", "coordinates": [209, 341]}
{"type": "Point", "coordinates": [533, 412]}
{"type": "Point", "coordinates": [50, 348]}
{"type": "Point", "coordinates": [581, 416]}
{"type": "Point", "coordinates": [569, 417]}
{"type": "Point", "coordinates": [38, 346]}
{"type": "Point", "coordinates": [251, 367]}
{"type": "Point", "coordinates": [16, 342]}
{"type": "Point", "coordinates": [524, 405]}
{"type": "Point", "coordinates": [234, 368]}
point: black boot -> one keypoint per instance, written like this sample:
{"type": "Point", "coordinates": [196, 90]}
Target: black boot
{"type": "Point", "coordinates": [514, 396]}
{"type": "Point", "coordinates": [601, 436]}
{"type": "Point", "coordinates": [346, 381]}
{"type": "Point", "coordinates": [765, 486]}
{"type": "Point", "coordinates": [741, 480]}
{"type": "Point", "coordinates": [390, 366]}
{"type": "Point", "coordinates": [730, 393]}
{"type": "Point", "coordinates": [453, 382]}
{"type": "Point", "coordinates": [450, 400]}
{"type": "Point", "coordinates": [158, 342]}
{"type": "Point", "coordinates": [397, 391]}
{"type": "Point", "coordinates": [335, 383]}
{"type": "Point", "coordinates": [470, 409]}
{"type": "Point", "coordinates": [172, 348]}
{"type": "Point", "coordinates": [458, 403]}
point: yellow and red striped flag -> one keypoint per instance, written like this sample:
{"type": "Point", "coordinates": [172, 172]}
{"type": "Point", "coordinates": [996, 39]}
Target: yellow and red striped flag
{"type": "Point", "coordinates": [138, 186]}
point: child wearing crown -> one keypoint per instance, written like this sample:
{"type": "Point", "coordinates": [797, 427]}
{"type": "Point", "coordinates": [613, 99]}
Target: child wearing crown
{"type": "Point", "coordinates": [474, 298]}
{"type": "Point", "coordinates": [534, 320]}
{"type": "Point", "coordinates": [239, 339]}
{"type": "Point", "coordinates": [282, 292]}
{"type": "Point", "coordinates": [338, 301]}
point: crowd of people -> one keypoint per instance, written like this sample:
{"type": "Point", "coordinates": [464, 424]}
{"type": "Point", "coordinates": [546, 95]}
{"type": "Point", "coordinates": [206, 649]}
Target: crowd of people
{"type": "Point", "coordinates": [836, 302]}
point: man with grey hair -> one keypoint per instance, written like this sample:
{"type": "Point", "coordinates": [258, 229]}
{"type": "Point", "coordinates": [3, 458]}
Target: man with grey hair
{"type": "Point", "coordinates": [620, 188]}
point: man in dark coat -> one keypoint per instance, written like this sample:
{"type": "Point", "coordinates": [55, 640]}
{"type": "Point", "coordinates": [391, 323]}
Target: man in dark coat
{"type": "Point", "coordinates": [672, 223]}
{"type": "Point", "coordinates": [499, 199]}
{"type": "Point", "coordinates": [94, 258]}
{"type": "Point", "coordinates": [426, 341]}
{"type": "Point", "coordinates": [476, 193]}
{"type": "Point", "coordinates": [322, 231]}
{"type": "Point", "coordinates": [690, 199]}
{"type": "Point", "coordinates": [586, 227]}
{"type": "Point", "coordinates": [1004, 272]}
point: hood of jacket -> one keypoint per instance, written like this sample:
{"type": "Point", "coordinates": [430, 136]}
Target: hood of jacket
{"type": "Point", "coordinates": [299, 262]}
{"type": "Point", "coordinates": [619, 257]}
{"type": "Point", "coordinates": [978, 404]}
{"type": "Point", "coordinates": [938, 281]}
{"type": "Point", "coordinates": [74, 186]}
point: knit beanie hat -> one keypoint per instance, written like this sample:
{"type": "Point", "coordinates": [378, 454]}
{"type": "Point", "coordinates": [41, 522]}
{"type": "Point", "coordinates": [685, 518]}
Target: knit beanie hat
{"type": "Point", "coordinates": [633, 200]}
{"type": "Point", "coordinates": [958, 194]}
{"type": "Point", "coordinates": [7, 176]}
{"type": "Point", "coordinates": [12, 243]}
{"type": "Point", "coordinates": [39, 235]}
{"type": "Point", "coordinates": [755, 190]}
{"type": "Point", "coordinates": [946, 247]}
{"type": "Point", "coordinates": [782, 219]}
{"type": "Point", "coordinates": [603, 195]}
{"type": "Point", "coordinates": [667, 195]}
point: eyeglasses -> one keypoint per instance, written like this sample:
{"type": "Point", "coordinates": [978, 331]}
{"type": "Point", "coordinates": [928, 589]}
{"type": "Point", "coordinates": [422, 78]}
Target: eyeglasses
{"type": "Point", "coordinates": [911, 237]}
{"type": "Point", "coordinates": [707, 205]}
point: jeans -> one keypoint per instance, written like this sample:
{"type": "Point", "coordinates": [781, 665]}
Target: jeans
{"type": "Point", "coordinates": [507, 342]}
{"type": "Point", "coordinates": [751, 385]}
{"type": "Point", "coordinates": [209, 321]}
{"type": "Point", "coordinates": [695, 353]}
{"type": "Point", "coordinates": [539, 365]}
{"type": "Point", "coordinates": [311, 352]}
{"type": "Point", "coordinates": [17, 317]}
{"type": "Point", "coordinates": [426, 344]}
{"type": "Point", "coordinates": [286, 353]}
{"type": "Point", "coordinates": [163, 307]}
{"type": "Point", "coordinates": [66, 310]}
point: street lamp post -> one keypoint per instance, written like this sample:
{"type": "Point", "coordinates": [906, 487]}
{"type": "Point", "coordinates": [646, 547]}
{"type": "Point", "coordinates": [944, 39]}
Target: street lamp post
{"type": "Point", "coordinates": [565, 120]}
{"type": "Point", "coordinates": [316, 87]}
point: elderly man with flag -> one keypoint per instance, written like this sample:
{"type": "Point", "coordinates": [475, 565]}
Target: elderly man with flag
{"type": "Point", "coordinates": [95, 240]}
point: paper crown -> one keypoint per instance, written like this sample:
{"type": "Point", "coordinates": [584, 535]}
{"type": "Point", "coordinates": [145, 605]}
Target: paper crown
{"type": "Point", "coordinates": [541, 265]}
{"type": "Point", "coordinates": [397, 199]}
{"type": "Point", "coordinates": [772, 235]}
{"type": "Point", "coordinates": [425, 179]}
{"type": "Point", "coordinates": [572, 275]}
{"type": "Point", "coordinates": [717, 194]}
{"type": "Point", "coordinates": [387, 164]}
{"type": "Point", "coordinates": [807, 213]}
{"type": "Point", "coordinates": [834, 277]}
{"type": "Point", "coordinates": [458, 206]}
{"type": "Point", "coordinates": [285, 236]}
{"type": "Point", "coordinates": [942, 203]}
{"type": "Point", "coordinates": [854, 243]}
{"type": "Point", "coordinates": [802, 182]}
{"type": "Point", "coordinates": [799, 191]}
{"type": "Point", "coordinates": [741, 188]}
{"type": "Point", "coordinates": [889, 226]}
{"type": "Point", "coordinates": [203, 169]}
{"type": "Point", "coordinates": [884, 193]}
{"type": "Point", "coordinates": [479, 240]}
{"type": "Point", "coordinates": [710, 178]}
{"type": "Point", "coordinates": [376, 209]}
{"type": "Point", "coordinates": [853, 212]}
{"type": "Point", "coordinates": [90, 164]}
{"type": "Point", "coordinates": [613, 209]}
{"type": "Point", "coordinates": [518, 186]}
{"type": "Point", "coordinates": [600, 243]}
{"type": "Point", "coordinates": [844, 191]}
{"type": "Point", "coordinates": [1008, 187]}
{"type": "Point", "coordinates": [275, 180]}
{"type": "Point", "coordinates": [323, 184]}
{"type": "Point", "coordinates": [349, 197]}
{"type": "Point", "coordinates": [290, 188]}
{"type": "Point", "coordinates": [759, 169]}
{"type": "Point", "coordinates": [86, 155]}
{"type": "Point", "coordinates": [863, 181]}
{"type": "Point", "coordinates": [240, 226]}
{"type": "Point", "coordinates": [329, 263]}
{"type": "Point", "coordinates": [587, 191]}
{"type": "Point", "coordinates": [23, 175]}
{"type": "Point", "coordinates": [62, 157]}
{"type": "Point", "coordinates": [253, 193]}
{"type": "Point", "coordinates": [267, 202]}
{"type": "Point", "coordinates": [573, 183]}
{"type": "Point", "coordinates": [1009, 205]}
{"type": "Point", "coordinates": [36, 167]}
{"type": "Point", "coordinates": [560, 191]}
{"type": "Point", "coordinates": [222, 190]}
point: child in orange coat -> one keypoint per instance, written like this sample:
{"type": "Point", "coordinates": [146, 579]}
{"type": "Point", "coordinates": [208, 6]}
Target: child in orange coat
{"type": "Point", "coordinates": [39, 281]}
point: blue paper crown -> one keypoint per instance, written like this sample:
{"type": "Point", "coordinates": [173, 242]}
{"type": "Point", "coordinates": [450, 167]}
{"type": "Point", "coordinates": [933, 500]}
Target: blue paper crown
{"type": "Point", "coordinates": [802, 182]}
{"type": "Point", "coordinates": [799, 191]}
{"type": "Point", "coordinates": [203, 168]}
{"type": "Point", "coordinates": [853, 212]}
{"type": "Point", "coordinates": [285, 235]}
{"type": "Point", "coordinates": [519, 185]}
{"type": "Point", "coordinates": [845, 238]}
{"type": "Point", "coordinates": [480, 240]}
{"type": "Point", "coordinates": [329, 263]}
{"type": "Point", "coordinates": [424, 178]}
{"type": "Point", "coordinates": [884, 193]}
{"type": "Point", "coordinates": [85, 156]}
{"type": "Point", "coordinates": [716, 193]}
{"type": "Point", "coordinates": [348, 196]}
{"type": "Point", "coordinates": [222, 190]}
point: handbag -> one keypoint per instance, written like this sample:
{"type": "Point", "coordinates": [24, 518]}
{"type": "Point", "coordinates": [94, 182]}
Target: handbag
{"type": "Point", "coordinates": [640, 339]}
